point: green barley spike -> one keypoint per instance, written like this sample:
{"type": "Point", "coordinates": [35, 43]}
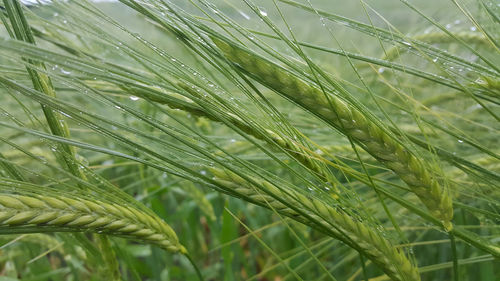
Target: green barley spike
{"type": "Point", "coordinates": [473, 38]}
{"type": "Point", "coordinates": [338, 223]}
{"type": "Point", "coordinates": [351, 122]}
{"type": "Point", "coordinates": [295, 149]}
{"type": "Point", "coordinates": [54, 213]}
{"type": "Point", "coordinates": [175, 101]}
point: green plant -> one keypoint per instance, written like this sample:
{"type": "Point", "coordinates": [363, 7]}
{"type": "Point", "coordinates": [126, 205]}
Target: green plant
{"type": "Point", "coordinates": [270, 151]}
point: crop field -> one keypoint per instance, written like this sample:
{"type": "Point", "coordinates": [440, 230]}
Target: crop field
{"type": "Point", "coordinates": [264, 140]}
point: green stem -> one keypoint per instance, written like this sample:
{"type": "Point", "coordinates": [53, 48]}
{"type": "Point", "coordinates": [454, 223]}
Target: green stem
{"type": "Point", "coordinates": [365, 274]}
{"type": "Point", "coordinates": [454, 257]}
{"type": "Point", "coordinates": [196, 269]}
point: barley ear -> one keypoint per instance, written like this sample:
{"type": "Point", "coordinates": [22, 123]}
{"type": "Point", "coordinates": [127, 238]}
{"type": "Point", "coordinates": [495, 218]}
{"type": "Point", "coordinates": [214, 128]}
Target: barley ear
{"type": "Point", "coordinates": [473, 38]}
{"type": "Point", "coordinates": [352, 123]}
{"type": "Point", "coordinates": [271, 137]}
{"type": "Point", "coordinates": [333, 221]}
{"type": "Point", "coordinates": [53, 213]}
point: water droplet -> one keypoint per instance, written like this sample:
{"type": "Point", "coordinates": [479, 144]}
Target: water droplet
{"type": "Point", "coordinates": [134, 98]}
{"type": "Point", "coordinates": [473, 28]}
{"type": "Point", "coordinates": [203, 172]}
{"type": "Point", "coordinates": [480, 81]}
{"type": "Point", "coordinates": [262, 12]}
{"type": "Point", "coordinates": [460, 141]}
{"type": "Point", "coordinates": [456, 22]}
{"type": "Point", "coordinates": [65, 72]}
{"type": "Point", "coordinates": [65, 114]}
{"type": "Point", "coordinates": [435, 59]}
{"type": "Point", "coordinates": [244, 15]}
{"type": "Point", "coordinates": [322, 19]}
{"type": "Point", "coordinates": [448, 26]}
{"type": "Point", "coordinates": [381, 70]}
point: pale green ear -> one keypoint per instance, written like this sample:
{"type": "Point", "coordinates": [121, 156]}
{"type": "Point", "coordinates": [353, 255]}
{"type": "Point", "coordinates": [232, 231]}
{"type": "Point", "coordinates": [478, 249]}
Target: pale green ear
{"type": "Point", "coordinates": [353, 123]}
{"type": "Point", "coordinates": [320, 215]}
{"type": "Point", "coordinates": [61, 211]}
{"type": "Point", "coordinates": [469, 37]}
